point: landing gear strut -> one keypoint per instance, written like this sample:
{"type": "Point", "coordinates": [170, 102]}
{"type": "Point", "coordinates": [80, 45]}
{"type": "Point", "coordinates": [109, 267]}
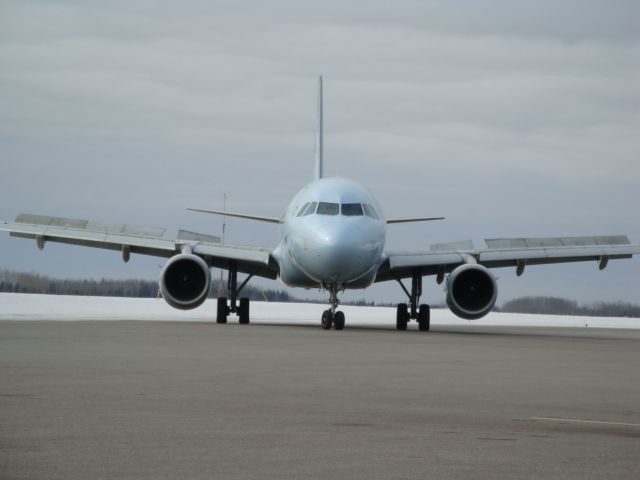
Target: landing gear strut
{"type": "Point", "coordinates": [242, 310]}
{"type": "Point", "coordinates": [420, 313]}
{"type": "Point", "coordinates": [331, 317]}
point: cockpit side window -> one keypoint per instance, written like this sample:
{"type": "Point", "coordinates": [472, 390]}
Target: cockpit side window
{"type": "Point", "coordinates": [370, 211]}
{"type": "Point", "coordinates": [310, 209]}
{"type": "Point", "coordinates": [302, 210]}
{"type": "Point", "coordinates": [325, 208]}
{"type": "Point", "coordinates": [351, 209]}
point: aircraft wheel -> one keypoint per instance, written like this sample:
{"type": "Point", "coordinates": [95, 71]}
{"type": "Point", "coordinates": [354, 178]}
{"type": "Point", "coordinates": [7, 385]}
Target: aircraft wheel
{"type": "Point", "coordinates": [338, 321]}
{"type": "Point", "coordinates": [402, 316]}
{"type": "Point", "coordinates": [424, 318]}
{"type": "Point", "coordinates": [327, 319]}
{"type": "Point", "coordinates": [243, 311]}
{"type": "Point", "coordinates": [223, 312]}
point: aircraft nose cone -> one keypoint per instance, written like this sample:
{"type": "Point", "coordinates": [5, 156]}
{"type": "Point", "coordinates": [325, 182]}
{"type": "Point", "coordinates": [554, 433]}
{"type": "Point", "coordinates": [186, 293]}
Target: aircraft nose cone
{"type": "Point", "coordinates": [341, 254]}
{"type": "Point", "coordinates": [342, 236]}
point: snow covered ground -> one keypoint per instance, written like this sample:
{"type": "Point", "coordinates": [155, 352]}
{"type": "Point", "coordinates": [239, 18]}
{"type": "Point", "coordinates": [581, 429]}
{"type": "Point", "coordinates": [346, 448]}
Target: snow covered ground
{"type": "Point", "coordinates": [70, 308]}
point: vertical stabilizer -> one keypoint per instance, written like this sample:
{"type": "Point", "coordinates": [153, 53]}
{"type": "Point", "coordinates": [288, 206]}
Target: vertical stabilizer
{"type": "Point", "coordinates": [318, 153]}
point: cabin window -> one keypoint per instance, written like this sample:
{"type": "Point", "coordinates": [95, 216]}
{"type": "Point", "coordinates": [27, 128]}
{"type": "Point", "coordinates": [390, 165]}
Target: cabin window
{"type": "Point", "coordinates": [302, 210]}
{"type": "Point", "coordinates": [351, 209]}
{"type": "Point", "coordinates": [325, 208]}
{"type": "Point", "coordinates": [310, 209]}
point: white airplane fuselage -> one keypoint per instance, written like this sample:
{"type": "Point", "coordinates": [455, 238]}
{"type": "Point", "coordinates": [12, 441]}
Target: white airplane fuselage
{"type": "Point", "coordinates": [332, 234]}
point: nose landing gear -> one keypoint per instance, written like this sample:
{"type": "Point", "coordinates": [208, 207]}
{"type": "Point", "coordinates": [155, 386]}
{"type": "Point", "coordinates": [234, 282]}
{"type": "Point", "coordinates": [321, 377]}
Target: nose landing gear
{"type": "Point", "coordinates": [331, 317]}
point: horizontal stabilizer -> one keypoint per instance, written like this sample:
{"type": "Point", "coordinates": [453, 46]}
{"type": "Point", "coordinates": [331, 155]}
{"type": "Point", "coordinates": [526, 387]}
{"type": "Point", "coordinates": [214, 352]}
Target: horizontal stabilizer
{"type": "Point", "coordinates": [452, 246]}
{"type": "Point", "coordinates": [237, 215]}
{"type": "Point", "coordinates": [409, 220]}
{"type": "Point", "coordinates": [89, 226]}
{"type": "Point", "coordinates": [197, 237]}
{"type": "Point", "coordinates": [495, 243]}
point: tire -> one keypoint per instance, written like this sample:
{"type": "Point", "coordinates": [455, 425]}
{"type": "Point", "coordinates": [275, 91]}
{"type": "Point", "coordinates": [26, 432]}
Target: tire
{"type": "Point", "coordinates": [223, 311]}
{"type": "Point", "coordinates": [243, 311]}
{"type": "Point", "coordinates": [327, 320]}
{"type": "Point", "coordinates": [402, 316]}
{"type": "Point", "coordinates": [338, 321]}
{"type": "Point", "coordinates": [424, 318]}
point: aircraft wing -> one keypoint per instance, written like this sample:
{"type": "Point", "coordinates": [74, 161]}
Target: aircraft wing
{"type": "Point", "coordinates": [143, 240]}
{"type": "Point", "coordinates": [507, 252]}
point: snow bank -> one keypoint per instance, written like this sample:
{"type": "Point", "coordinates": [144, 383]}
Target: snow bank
{"type": "Point", "coordinates": [15, 306]}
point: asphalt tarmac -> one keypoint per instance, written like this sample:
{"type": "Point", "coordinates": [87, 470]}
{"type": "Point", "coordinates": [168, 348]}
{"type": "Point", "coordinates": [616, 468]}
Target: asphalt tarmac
{"type": "Point", "coordinates": [155, 400]}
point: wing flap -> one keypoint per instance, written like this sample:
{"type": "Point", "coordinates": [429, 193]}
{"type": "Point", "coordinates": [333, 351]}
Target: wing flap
{"type": "Point", "coordinates": [452, 246]}
{"type": "Point", "coordinates": [230, 252]}
{"type": "Point", "coordinates": [142, 240]}
{"type": "Point", "coordinates": [89, 226]}
{"type": "Point", "coordinates": [88, 238]}
{"type": "Point", "coordinates": [500, 243]}
{"type": "Point", "coordinates": [532, 256]}
{"type": "Point", "coordinates": [515, 252]}
{"type": "Point", "coordinates": [197, 237]}
{"type": "Point", "coordinates": [399, 261]}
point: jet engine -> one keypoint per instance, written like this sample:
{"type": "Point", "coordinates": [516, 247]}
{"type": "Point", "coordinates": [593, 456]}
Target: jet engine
{"type": "Point", "coordinates": [185, 281]}
{"type": "Point", "coordinates": [471, 291]}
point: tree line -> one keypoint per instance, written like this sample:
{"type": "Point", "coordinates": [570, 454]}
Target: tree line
{"type": "Point", "coordinates": [562, 306]}
{"type": "Point", "coordinates": [19, 282]}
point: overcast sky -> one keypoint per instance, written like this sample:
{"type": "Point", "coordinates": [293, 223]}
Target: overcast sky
{"type": "Point", "coordinates": [509, 118]}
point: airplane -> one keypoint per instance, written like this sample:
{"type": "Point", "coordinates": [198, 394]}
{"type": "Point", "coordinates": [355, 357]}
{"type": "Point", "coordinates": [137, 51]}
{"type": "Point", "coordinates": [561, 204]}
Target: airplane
{"type": "Point", "coordinates": [333, 238]}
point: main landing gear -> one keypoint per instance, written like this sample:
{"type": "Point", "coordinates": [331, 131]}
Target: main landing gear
{"type": "Point", "coordinates": [241, 309]}
{"type": "Point", "coordinates": [422, 313]}
{"type": "Point", "coordinates": [331, 317]}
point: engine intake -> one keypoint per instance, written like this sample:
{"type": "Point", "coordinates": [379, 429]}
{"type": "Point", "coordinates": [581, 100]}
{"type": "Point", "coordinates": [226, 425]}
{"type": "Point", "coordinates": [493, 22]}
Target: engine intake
{"type": "Point", "coordinates": [185, 281]}
{"type": "Point", "coordinates": [471, 291]}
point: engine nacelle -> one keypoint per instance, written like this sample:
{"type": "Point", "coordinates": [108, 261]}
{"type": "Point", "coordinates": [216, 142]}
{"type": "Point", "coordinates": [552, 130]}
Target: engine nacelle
{"type": "Point", "coordinates": [471, 291]}
{"type": "Point", "coordinates": [185, 281]}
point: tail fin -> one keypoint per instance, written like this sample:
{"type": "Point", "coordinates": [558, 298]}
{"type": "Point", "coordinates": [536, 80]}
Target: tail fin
{"type": "Point", "coordinates": [318, 152]}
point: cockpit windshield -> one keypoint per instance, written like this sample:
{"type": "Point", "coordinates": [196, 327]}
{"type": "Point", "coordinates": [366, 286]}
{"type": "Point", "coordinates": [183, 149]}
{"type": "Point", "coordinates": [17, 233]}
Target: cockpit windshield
{"type": "Point", "coordinates": [370, 211]}
{"type": "Point", "coordinates": [346, 209]}
{"type": "Point", "coordinates": [303, 209]}
{"type": "Point", "coordinates": [310, 209]}
{"type": "Point", "coordinates": [325, 208]}
{"type": "Point", "coordinates": [351, 209]}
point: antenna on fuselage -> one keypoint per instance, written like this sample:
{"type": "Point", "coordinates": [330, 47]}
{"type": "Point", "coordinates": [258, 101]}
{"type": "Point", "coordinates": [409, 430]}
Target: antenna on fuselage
{"type": "Point", "coordinates": [318, 152]}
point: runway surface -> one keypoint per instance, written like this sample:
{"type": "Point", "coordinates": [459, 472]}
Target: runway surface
{"type": "Point", "coordinates": [131, 399]}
